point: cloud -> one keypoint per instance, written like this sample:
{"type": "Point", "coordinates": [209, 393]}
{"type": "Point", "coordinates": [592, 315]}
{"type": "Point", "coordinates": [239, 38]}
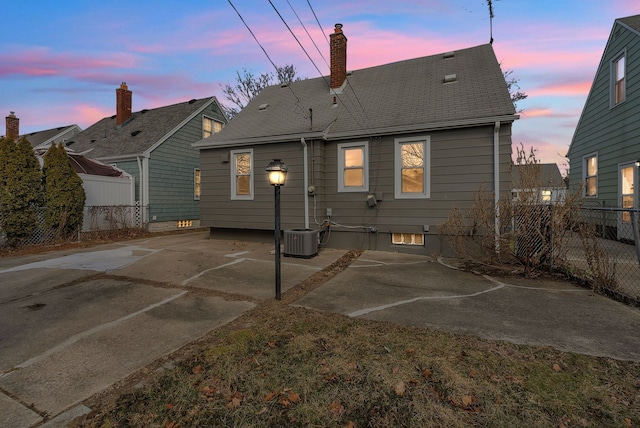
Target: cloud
{"type": "Point", "coordinates": [38, 62]}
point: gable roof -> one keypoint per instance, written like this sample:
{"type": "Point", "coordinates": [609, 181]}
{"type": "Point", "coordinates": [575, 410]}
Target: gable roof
{"type": "Point", "coordinates": [549, 174]}
{"type": "Point", "coordinates": [404, 96]}
{"type": "Point", "coordinates": [632, 23]}
{"type": "Point", "coordinates": [50, 135]}
{"type": "Point", "coordinates": [138, 135]}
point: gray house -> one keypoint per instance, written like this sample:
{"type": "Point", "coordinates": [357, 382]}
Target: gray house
{"type": "Point", "coordinates": [155, 147]}
{"type": "Point", "coordinates": [543, 180]}
{"type": "Point", "coordinates": [605, 150]}
{"type": "Point", "coordinates": [40, 138]}
{"type": "Point", "coordinates": [377, 157]}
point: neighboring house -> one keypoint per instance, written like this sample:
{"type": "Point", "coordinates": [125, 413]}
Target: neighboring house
{"type": "Point", "coordinates": [605, 150]}
{"type": "Point", "coordinates": [382, 154]}
{"type": "Point", "coordinates": [109, 192]}
{"type": "Point", "coordinates": [41, 138]}
{"type": "Point", "coordinates": [543, 178]}
{"type": "Point", "coordinates": [155, 147]}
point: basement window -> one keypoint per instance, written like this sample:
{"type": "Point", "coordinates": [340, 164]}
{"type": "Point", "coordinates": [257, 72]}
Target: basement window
{"type": "Point", "coordinates": [407, 239]}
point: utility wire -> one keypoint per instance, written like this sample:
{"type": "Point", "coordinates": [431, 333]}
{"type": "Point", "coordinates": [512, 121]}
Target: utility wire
{"type": "Point", "coordinates": [364, 111]}
{"type": "Point", "coordinates": [312, 62]}
{"type": "Point", "coordinates": [263, 50]}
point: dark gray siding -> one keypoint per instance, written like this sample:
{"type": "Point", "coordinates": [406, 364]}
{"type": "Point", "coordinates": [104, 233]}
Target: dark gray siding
{"type": "Point", "coordinates": [612, 133]}
{"type": "Point", "coordinates": [461, 160]}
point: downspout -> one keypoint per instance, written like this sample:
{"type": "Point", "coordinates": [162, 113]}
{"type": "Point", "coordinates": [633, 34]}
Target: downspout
{"type": "Point", "coordinates": [496, 180]}
{"type": "Point", "coordinates": [306, 183]}
{"type": "Point", "coordinates": [143, 168]}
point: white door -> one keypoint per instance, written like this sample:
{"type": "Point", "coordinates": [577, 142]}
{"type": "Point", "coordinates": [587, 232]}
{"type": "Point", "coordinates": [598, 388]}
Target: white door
{"type": "Point", "coordinates": [627, 198]}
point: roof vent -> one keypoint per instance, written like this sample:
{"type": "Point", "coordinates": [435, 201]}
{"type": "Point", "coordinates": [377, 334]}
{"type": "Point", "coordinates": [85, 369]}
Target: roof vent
{"type": "Point", "coordinates": [113, 117]}
{"type": "Point", "coordinates": [192, 101]}
{"type": "Point", "coordinates": [93, 141]}
{"type": "Point", "coordinates": [61, 128]}
{"type": "Point", "coordinates": [134, 133]}
{"type": "Point", "coordinates": [143, 111]}
{"type": "Point", "coordinates": [448, 55]}
{"type": "Point", "coordinates": [450, 78]}
{"type": "Point", "coordinates": [284, 85]}
{"type": "Point", "coordinates": [263, 106]}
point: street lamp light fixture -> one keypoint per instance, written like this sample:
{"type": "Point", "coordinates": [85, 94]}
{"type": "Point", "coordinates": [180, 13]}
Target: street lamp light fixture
{"type": "Point", "coordinates": [277, 173]}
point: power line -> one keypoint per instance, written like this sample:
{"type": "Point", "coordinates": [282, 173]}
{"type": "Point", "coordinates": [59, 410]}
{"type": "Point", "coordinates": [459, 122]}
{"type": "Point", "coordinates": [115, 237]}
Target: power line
{"type": "Point", "coordinates": [263, 50]}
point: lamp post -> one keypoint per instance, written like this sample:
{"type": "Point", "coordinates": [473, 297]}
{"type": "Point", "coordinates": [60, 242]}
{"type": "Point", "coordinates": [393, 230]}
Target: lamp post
{"type": "Point", "coordinates": [277, 173]}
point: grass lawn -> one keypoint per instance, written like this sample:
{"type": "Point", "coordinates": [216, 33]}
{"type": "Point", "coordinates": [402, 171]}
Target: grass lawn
{"type": "Point", "coordinates": [284, 366]}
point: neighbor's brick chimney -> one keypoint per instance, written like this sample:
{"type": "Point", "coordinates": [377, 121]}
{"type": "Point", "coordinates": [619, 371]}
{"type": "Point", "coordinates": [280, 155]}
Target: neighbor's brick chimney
{"type": "Point", "coordinates": [123, 104]}
{"type": "Point", "coordinates": [13, 127]}
{"type": "Point", "coordinates": [338, 44]}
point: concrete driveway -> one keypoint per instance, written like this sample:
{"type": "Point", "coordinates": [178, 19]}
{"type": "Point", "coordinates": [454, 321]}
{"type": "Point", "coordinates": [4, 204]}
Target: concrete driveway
{"type": "Point", "coordinates": [425, 292]}
{"type": "Point", "coordinates": [73, 323]}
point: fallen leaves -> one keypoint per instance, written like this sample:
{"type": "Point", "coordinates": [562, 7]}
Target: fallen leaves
{"type": "Point", "coordinates": [336, 408]}
{"type": "Point", "coordinates": [234, 400]}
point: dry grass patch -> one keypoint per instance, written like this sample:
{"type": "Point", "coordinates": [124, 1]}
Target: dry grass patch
{"type": "Point", "coordinates": [289, 366]}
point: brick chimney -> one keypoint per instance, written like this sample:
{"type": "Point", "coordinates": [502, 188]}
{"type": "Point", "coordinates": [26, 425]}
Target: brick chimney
{"type": "Point", "coordinates": [123, 104]}
{"type": "Point", "coordinates": [338, 44]}
{"type": "Point", "coordinates": [13, 127]}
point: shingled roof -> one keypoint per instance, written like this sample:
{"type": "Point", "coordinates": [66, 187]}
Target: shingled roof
{"type": "Point", "coordinates": [460, 88]}
{"type": "Point", "coordinates": [632, 21]}
{"type": "Point", "coordinates": [50, 135]}
{"type": "Point", "coordinates": [139, 133]}
{"type": "Point", "coordinates": [549, 174]}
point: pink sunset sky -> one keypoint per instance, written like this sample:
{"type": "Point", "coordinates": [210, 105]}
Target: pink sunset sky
{"type": "Point", "coordinates": [60, 62]}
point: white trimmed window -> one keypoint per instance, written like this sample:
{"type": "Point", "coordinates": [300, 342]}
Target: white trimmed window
{"type": "Point", "coordinates": [590, 175]}
{"type": "Point", "coordinates": [618, 79]}
{"type": "Point", "coordinates": [412, 168]}
{"type": "Point", "coordinates": [353, 168]}
{"type": "Point", "coordinates": [210, 126]}
{"type": "Point", "coordinates": [196, 184]}
{"type": "Point", "coordinates": [242, 174]}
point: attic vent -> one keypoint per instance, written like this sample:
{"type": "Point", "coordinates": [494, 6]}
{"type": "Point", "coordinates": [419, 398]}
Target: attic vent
{"type": "Point", "coordinates": [134, 133]}
{"type": "Point", "coordinates": [450, 78]}
{"type": "Point", "coordinates": [93, 141]}
{"type": "Point", "coordinates": [263, 106]}
{"type": "Point", "coordinates": [143, 111]}
{"type": "Point", "coordinates": [192, 101]}
{"type": "Point", "coordinates": [68, 143]}
{"type": "Point", "coordinates": [448, 55]}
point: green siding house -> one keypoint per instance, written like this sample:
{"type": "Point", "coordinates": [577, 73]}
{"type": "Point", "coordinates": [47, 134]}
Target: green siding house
{"type": "Point", "coordinates": [377, 157]}
{"type": "Point", "coordinates": [155, 147]}
{"type": "Point", "coordinates": [605, 150]}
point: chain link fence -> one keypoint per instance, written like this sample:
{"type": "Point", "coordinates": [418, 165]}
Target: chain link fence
{"type": "Point", "coordinates": [100, 222]}
{"type": "Point", "coordinates": [603, 248]}
{"type": "Point", "coordinates": [599, 246]}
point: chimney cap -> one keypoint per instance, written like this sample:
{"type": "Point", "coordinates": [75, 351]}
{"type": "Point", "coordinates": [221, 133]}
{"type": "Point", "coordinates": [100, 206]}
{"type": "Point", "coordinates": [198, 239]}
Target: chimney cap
{"type": "Point", "coordinates": [338, 28]}
{"type": "Point", "coordinates": [12, 114]}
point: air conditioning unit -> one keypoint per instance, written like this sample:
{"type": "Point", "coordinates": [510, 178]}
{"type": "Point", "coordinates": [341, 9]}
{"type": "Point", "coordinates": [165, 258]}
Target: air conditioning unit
{"type": "Point", "coordinates": [301, 243]}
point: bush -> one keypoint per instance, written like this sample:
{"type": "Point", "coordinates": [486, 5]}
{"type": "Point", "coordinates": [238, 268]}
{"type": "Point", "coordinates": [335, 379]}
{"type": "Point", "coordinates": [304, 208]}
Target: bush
{"type": "Point", "coordinates": [64, 194]}
{"type": "Point", "coordinates": [20, 189]}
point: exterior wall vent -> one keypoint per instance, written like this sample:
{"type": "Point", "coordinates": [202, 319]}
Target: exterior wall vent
{"type": "Point", "coordinates": [301, 243]}
{"type": "Point", "coordinates": [450, 78]}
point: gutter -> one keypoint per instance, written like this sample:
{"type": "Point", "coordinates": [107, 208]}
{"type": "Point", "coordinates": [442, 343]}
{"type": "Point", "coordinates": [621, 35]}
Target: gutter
{"type": "Point", "coordinates": [306, 183]}
{"type": "Point", "coordinates": [496, 181]}
{"type": "Point", "coordinates": [327, 136]}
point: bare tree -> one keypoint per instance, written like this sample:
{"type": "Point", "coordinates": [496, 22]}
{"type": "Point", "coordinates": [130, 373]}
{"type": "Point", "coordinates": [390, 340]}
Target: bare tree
{"type": "Point", "coordinates": [248, 85]}
{"type": "Point", "coordinates": [514, 88]}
